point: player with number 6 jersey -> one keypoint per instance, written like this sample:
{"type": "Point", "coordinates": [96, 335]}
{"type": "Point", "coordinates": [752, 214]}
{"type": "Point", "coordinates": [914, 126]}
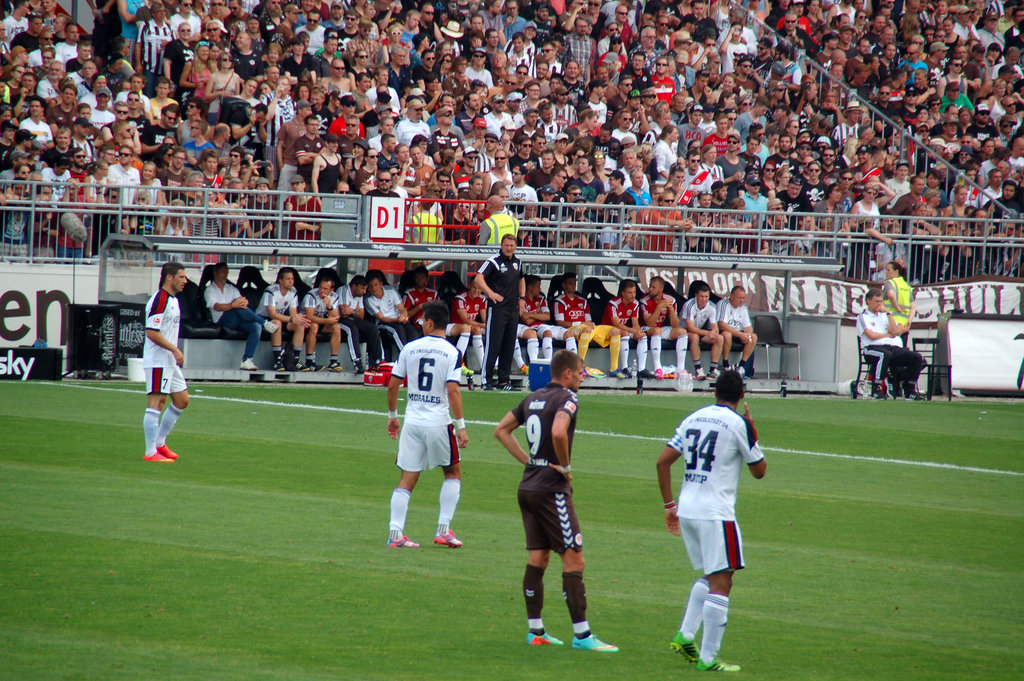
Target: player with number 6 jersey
{"type": "Point", "coordinates": [714, 443]}
{"type": "Point", "coordinates": [428, 440]}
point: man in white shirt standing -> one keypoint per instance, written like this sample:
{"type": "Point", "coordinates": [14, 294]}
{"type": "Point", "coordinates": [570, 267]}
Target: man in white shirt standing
{"type": "Point", "coordinates": [715, 442]}
{"type": "Point", "coordinates": [429, 438]}
{"type": "Point", "coordinates": [161, 360]}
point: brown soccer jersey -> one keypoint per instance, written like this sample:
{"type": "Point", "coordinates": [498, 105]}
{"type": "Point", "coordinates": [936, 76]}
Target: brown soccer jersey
{"type": "Point", "coordinates": [537, 413]}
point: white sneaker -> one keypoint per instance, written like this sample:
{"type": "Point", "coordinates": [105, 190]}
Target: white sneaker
{"type": "Point", "coordinates": [271, 326]}
{"type": "Point", "coordinates": [248, 365]}
{"type": "Point", "coordinates": [713, 373]}
{"type": "Point", "coordinates": [700, 375]}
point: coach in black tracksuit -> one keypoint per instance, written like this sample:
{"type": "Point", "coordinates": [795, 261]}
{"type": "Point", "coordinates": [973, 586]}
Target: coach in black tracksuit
{"type": "Point", "coordinates": [500, 277]}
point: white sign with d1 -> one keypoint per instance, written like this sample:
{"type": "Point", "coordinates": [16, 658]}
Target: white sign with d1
{"type": "Point", "coordinates": [387, 219]}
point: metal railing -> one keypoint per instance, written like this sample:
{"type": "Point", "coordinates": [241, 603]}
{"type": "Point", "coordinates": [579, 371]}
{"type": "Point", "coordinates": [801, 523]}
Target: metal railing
{"type": "Point", "coordinates": [933, 248]}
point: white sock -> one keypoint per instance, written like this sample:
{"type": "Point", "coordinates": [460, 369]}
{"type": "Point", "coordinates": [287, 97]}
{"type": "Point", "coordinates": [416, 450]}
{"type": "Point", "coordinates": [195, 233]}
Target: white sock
{"type": "Point", "coordinates": [478, 348]}
{"type": "Point", "coordinates": [570, 344]}
{"type": "Point", "coordinates": [624, 352]}
{"type": "Point", "coordinates": [517, 354]}
{"type": "Point", "coordinates": [463, 344]}
{"type": "Point", "coordinates": [716, 614]}
{"type": "Point", "coordinates": [580, 627]}
{"type": "Point", "coordinates": [656, 352]}
{"type": "Point", "coordinates": [681, 344]}
{"type": "Point", "coordinates": [532, 349]}
{"type": "Point", "coordinates": [150, 426]}
{"type": "Point", "coordinates": [451, 488]}
{"type": "Point", "coordinates": [170, 418]}
{"type": "Point", "coordinates": [535, 624]}
{"type": "Point", "coordinates": [641, 353]}
{"type": "Point", "coordinates": [546, 347]}
{"type": "Point", "coordinates": [694, 609]}
{"type": "Point", "coordinates": [399, 510]}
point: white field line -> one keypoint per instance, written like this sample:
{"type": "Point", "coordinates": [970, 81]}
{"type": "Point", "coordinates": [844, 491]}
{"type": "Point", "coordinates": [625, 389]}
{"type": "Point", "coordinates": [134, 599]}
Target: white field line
{"type": "Point", "coordinates": [374, 412]}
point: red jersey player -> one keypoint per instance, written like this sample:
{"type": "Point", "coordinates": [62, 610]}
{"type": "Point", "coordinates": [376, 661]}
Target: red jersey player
{"type": "Point", "coordinates": [469, 315]}
{"type": "Point", "coordinates": [661, 321]}
{"type": "Point", "coordinates": [622, 314]}
{"type": "Point", "coordinates": [419, 295]}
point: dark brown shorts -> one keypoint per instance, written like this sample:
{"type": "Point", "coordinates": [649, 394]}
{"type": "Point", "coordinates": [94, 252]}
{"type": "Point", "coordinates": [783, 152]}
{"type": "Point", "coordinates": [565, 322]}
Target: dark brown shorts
{"type": "Point", "coordinates": [550, 522]}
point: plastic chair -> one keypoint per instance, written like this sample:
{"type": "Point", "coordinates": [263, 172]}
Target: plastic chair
{"type": "Point", "coordinates": [450, 285]}
{"type": "Point", "coordinates": [769, 334]}
{"type": "Point", "coordinates": [934, 372]}
{"type": "Point", "coordinates": [252, 285]}
{"type": "Point", "coordinates": [195, 319]}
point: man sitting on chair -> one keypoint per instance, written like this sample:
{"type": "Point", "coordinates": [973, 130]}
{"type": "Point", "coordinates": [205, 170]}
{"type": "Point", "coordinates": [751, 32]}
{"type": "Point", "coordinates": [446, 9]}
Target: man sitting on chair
{"type": "Point", "coordinates": [880, 340]}
{"type": "Point", "coordinates": [734, 323]}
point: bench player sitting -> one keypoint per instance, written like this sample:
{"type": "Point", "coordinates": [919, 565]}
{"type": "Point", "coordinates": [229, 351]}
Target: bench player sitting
{"type": "Point", "coordinates": [280, 303]}
{"type": "Point", "coordinates": [323, 310]}
{"type": "Point", "coordinates": [534, 326]}
{"type": "Point", "coordinates": [622, 315]}
{"type": "Point", "coordinates": [734, 323]}
{"type": "Point", "coordinates": [573, 314]}
{"type": "Point", "coordinates": [469, 322]}
{"type": "Point", "coordinates": [661, 321]}
{"type": "Point", "coordinates": [419, 295]}
{"type": "Point", "coordinates": [702, 329]}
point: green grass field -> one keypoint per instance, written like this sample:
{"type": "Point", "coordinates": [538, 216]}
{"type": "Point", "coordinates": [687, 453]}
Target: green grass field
{"type": "Point", "coordinates": [260, 553]}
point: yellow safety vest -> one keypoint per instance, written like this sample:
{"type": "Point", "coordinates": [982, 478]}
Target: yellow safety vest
{"type": "Point", "coordinates": [429, 227]}
{"type": "Point", "coordinates": [904, 294]}
{"type": "Point", "coordinates": [500, 225]}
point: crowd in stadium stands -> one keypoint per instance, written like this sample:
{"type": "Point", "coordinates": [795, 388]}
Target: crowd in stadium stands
{"type": "Point", "coordinates": [667, 104]}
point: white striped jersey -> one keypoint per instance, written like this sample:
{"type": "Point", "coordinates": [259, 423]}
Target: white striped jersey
{"type": "Point", "coordinates": [386, 305]}
{"type": "Point", "coordinates": [163, 315]}
{"type": "Point", "coordinates": [346, 297]}
{"type": "Point", "coordinates": [281, 302]}
{"type": "Point", "coordinates": [152, 39]}
{"type": "Point", "coordinates": [429, 363]}
{"type": "Point", "coordinates": [703, 317]}
{"type": "Point", "coordinates": [313, 300]}
{"type": "Point", "coordinates": [714, 442]}
{"type": "Point", "coordinates": [736, 317]}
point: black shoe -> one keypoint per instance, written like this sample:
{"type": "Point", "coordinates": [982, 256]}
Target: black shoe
{"type": "Point", "coordinates": [894, 388]}
{"type": "Point", "coordinates": [626, 372]}
{"type": "Point", "coordinates": [508, 387]}
{"type": "Point", "coordinates": [912, 396]}
{"type": "Point", "coordinates": [488, 386]}
{"type": "Point", "coordinates": [279, 363]}
{"type": "Point", "coordinates": [647, 375]}
{"type": "Point", "coordinates": [879, 395]}
{"type": "Point", "coordinates": [357, 366]}
{"type": "Point", "coordinates": [305, 368]}
{"type": "Point", "coordinates": [334, 366]}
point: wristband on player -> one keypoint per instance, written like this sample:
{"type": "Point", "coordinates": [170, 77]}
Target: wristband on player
{"type": "Point", "coordinates": [669, 505]}
{"type": "Point", "coordinates": [460, 424]}
{"type": "Point", "coordinates": [393, 414]}
{"type": "Point", "coordinates": [567, 468]}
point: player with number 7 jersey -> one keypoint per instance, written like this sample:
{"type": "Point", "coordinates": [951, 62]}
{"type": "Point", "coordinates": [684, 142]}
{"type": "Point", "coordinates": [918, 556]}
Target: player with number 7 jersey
{"type": "Point", "coordinates": [432, 366]}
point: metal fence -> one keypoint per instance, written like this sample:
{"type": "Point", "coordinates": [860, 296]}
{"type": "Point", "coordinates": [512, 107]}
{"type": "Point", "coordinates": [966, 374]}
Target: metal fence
{"type": "Point", "coordinates": [35, 229]}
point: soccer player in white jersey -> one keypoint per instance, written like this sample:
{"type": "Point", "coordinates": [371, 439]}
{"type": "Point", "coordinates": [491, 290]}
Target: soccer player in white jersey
{"type": "Point", "coordinates": [322, 306]}
{"type": "Point", "coordinates": [734, 323]}
{"type": "Point", "coordinates": [714, 442]}
{"type": "Point", "coordinates": [280, 303]}
{"type": "Point", "coordinates": [702, 330]}
{"type": "Point", "coordinates": [429, 439]}
{"type": "Point", "coordinates": [161, 360]}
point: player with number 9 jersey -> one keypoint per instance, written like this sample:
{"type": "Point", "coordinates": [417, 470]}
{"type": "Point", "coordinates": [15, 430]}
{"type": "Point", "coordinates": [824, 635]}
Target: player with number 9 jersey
{"type": "Point", "coordinates": [714, 442]}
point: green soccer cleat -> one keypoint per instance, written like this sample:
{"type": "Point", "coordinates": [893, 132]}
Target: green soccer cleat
{"type": "Point", "coordinates": [717, 666]}
{"type": "Point", "coordinates": [545, 639]}
{"type": "Point", "coordinates": [593, 643]}
{"type": "Point", "coordinates": [687, 649]}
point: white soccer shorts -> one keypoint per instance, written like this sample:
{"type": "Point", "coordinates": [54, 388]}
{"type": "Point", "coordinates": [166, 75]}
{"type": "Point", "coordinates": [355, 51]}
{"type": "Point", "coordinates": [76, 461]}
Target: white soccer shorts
{"type": "Point", "coordinates": [165, 381]}
{"type": "Point", "coordinates": [541, 329]}
{"type": "Point", "coordinates": [424, 447]}
{"type": "Point", "coordinates": [713, 545]}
